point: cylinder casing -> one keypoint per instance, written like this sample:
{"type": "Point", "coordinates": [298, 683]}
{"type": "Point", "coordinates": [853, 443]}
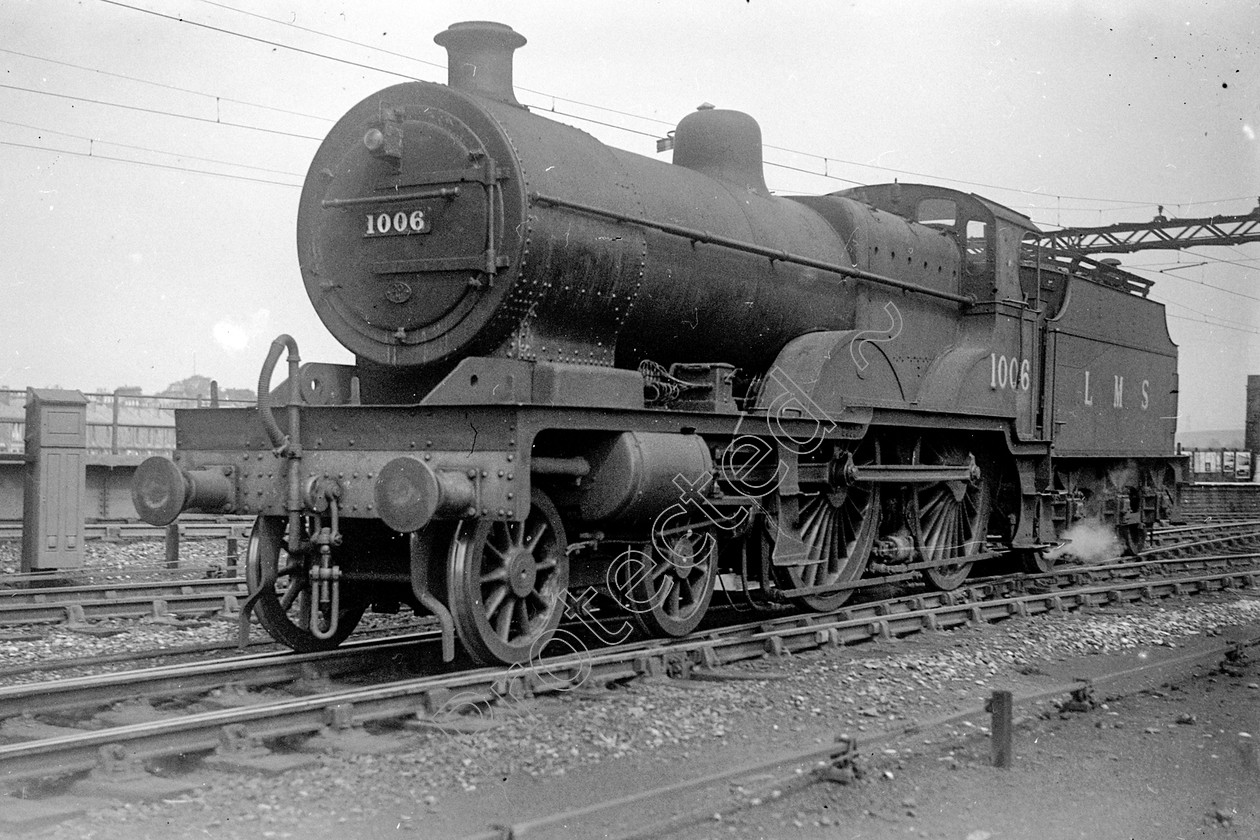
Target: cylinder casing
{"type": "Point", "coordinates": [637, 475]}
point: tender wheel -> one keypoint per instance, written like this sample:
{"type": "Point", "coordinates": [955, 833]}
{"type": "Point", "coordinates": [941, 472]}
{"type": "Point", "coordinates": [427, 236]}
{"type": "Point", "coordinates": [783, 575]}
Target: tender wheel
{"type": "Point", "coordinates": [507, 584]}
{"type": "Point", "coordinates": [837, 524]}
{"type": "Point", "coordinates": [284, 608]}
{"type": "Point", "coordinates": [1134, 535]}
{"type": "Point", "coordinates": [953, 519]}
{"type": "Point", "coordinates": [1134, 538]}
{"type": "Point", "coordinates": [667, 589]}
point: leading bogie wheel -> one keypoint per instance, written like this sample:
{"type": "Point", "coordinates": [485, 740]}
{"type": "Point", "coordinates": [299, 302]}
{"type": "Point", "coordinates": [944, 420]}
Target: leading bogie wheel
{"type": "Point", "coordinates": [667, 587]}
{"type": "Point", "coordinates": [507, 583]}
{"type": "Point", "coordinates": [284, 607]}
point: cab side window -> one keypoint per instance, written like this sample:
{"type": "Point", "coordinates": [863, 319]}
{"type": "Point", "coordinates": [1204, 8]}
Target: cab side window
{"type": "Point", "coordinates": [973, 237]}
{"type": "Point", "coordinates": [977, 253]}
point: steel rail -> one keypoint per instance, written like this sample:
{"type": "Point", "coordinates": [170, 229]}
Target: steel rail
{"type": "Point", "coordinates": [279, 667]}
{"type": "Point", "coordinates": [1199, 526]}
{"type": "Point", "coordinates": [201, 732]}
{"type": "Point", "coordinates": [1203, 543]}
{"type": "Point", "coordinates": [109, 590]}
{"type": "Point", "coordinates": [899, 624]}
{"type": "Point", "coordinates": [11, 529]}
{"type": "Point", "coordinates": [266, 668]}
{"type": "Point", "coordinates": [100, 576]}
{"type": "Point", "coordinates": [903, 572]}
{"type": "Point", "coordinates": [784, 772]}
{"type": "Point", "coordinates": [120, 600]}
{"type": "Point", "coordinates": [202, 596]}
{"type": "Point", "coordinates": [170, 654]}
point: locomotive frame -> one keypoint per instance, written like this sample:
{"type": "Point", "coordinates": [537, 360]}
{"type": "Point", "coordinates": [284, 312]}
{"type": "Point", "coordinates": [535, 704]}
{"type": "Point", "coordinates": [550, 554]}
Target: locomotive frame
{"type": "Point", "coordinates": [582, 369]}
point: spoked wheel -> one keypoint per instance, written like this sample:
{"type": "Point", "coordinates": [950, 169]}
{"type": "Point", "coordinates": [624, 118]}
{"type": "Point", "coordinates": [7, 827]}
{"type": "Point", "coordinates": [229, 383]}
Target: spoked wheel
{"type": "Point", "coordinates": [837, 525]}
{"type": "Point", "coordinates": [667, 589]}
{"type": "Point", "coordinates": [507, 584]}
{"type": "Point", "coordinates": [284, 608]}
{"type": "Point", "coordinates": [953, 518]}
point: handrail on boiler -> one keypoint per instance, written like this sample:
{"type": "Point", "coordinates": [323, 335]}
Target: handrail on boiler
{"type": "Point", "coordinates": [775, 255]}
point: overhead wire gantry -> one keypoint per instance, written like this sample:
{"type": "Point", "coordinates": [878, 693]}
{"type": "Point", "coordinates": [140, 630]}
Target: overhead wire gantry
{"type": "Point", "coordinates": [1159, 233]}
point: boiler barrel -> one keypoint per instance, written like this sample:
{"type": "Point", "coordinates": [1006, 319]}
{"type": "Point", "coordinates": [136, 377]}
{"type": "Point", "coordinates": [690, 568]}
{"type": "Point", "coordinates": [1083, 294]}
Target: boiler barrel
{"type": "Point", "coordinates": [435, 225]}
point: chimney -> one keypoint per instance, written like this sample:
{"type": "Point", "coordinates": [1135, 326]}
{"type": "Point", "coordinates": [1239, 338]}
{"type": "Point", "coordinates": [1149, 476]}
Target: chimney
{"type": "Point", "coordinates": [479, 58]}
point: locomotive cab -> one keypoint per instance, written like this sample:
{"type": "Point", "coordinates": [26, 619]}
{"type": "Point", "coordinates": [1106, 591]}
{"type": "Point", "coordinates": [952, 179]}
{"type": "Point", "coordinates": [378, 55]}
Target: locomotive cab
{"type": "Point", "coordinates": [986, 234]}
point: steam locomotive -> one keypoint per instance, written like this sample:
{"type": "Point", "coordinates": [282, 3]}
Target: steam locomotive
{"type": "Point", "coordinates": [579, 368]}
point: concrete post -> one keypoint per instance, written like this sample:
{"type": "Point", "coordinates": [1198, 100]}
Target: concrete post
{"type": "Point", "coordinates": [1002, 708]}
{"type": "Point", "coordinates": [1251, 428]}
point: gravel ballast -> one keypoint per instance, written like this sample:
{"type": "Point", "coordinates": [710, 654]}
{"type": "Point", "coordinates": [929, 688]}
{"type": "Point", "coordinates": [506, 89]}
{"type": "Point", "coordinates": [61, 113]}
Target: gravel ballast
{"type": "Point", "coordinates": [550, 753]}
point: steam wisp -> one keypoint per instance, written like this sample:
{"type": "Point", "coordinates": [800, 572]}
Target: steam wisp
{"type": "Point", "coordinates": [1090, 541]}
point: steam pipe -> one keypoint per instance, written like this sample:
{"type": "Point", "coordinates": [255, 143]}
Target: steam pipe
{"type": "Point", "coordinates": [278, 438]}
{"type": "Point", "coordinates": [287, 446]}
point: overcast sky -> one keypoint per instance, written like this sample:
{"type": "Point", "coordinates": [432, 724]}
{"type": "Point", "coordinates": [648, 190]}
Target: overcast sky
{"type": "Point", "coordinates": [123, 273]}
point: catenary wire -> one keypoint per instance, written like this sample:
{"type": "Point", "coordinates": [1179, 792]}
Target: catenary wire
{"type": "Point", "coordinates": [1145, 270]}
{"type": "Point", "coordinates": [667, 124]}
{"type": "Point", "coordinates": [1163, 265]}
{"type": "Point", "coordinates": [160, 112]}
{"type": "Point", "coordinates": [1223, 321]}
{"type": "Point", "coordinates": [551, 96]}
{"type": "Point", "coordinates": [825, 159]}
{"type": "Point", "coordinates": [1238, 263]}
{"type": "Point", "coordinates": [98, 140]}
{"type": "Point", "coordinates": [1208, 320]}
{"type": "Point", "coordinates": [259, 40]}
{"type": "Point", "coordinates": [137, 79]}
{"type": "Point", "coordinates": [153, 164]}
{"type": "Point", "coordinates": [1176, 317]}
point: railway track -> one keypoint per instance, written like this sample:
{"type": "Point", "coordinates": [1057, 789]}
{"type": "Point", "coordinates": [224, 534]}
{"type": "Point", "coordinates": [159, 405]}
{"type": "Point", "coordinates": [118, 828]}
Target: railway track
{"type": "Point", "coordinates": [77, 605]}
{"type": "Point", "coordinates": [671, 809]}
{"type": "Point", "coordinates": [190, 526]}
{"type": "Point", "coordinates": [1196, 530]}
{"type": "Point", "coordinates": [169, 600]}
{"type": "Point", "coordinates": [30, 599]}
{"type": "Point", "coordinates": [205, 706]}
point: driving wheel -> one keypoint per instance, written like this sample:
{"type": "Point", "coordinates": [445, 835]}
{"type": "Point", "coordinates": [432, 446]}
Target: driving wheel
{"type": "Point", "coordinates": [953, 518]}
{"type": "Point", "coordinates": [837, 524]}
